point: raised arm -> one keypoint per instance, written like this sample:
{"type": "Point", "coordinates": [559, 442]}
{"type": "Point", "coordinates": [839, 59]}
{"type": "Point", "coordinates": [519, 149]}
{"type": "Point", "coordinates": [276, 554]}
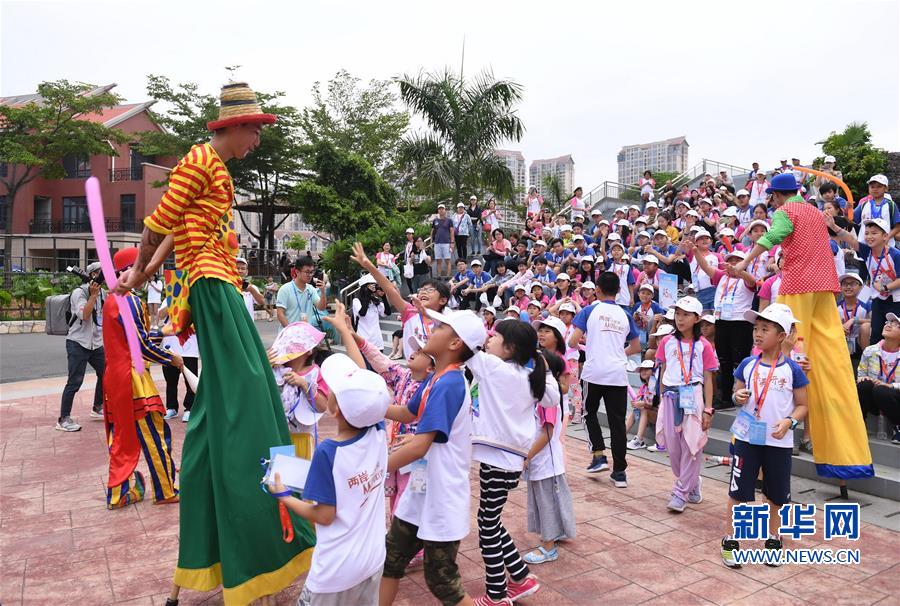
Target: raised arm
{"type": "Point", "coordinates": [390, 291]}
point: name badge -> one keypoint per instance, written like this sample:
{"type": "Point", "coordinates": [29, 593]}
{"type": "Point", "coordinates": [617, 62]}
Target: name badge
{"type": "Point", "coordinates": [418, 481]}
{"type": "Point", "coordinates": [741, 425]}
{"type": "Point", "coordinates": [757, 433]}
{"type": "Point", "coordinates": [686, 399]}
{"type": "Point", "coordinates": [727, 309]}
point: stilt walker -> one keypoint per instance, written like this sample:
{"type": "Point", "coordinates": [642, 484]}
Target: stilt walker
{"type": "Point", "coordinates": [133, 410]}
{"type": "Point", "coordinates": [809, 281]}
{"type": "Point", "coordinates": [230, 530]}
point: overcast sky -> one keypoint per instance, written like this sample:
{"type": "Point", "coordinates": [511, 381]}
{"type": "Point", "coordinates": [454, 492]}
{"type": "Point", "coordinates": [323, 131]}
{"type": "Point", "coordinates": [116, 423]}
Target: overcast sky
{"type": "Point", "coordinates": [743, 81]}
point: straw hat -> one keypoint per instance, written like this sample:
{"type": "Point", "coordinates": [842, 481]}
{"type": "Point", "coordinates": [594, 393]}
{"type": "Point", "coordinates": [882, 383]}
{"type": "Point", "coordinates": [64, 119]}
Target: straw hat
{"type": "Point", "coordinates": [238, 105]}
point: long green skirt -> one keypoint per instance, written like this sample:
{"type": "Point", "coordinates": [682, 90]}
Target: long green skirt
{"type": "Point", "coordinates": [230, 530]}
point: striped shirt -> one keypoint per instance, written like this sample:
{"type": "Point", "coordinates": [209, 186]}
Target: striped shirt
{"type": "Point", "coordinates": [197, 210]}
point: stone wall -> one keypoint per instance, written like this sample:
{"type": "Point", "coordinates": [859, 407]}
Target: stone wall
{"type": "Point", "coordinates": [18, 327]}
{"type": "Point", "coordinates": [892, 172]}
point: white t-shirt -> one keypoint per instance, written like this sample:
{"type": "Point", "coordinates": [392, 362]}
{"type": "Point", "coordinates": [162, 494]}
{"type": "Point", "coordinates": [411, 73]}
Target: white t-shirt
{"type": "Point", "coordinates": [704, 358]}
{"type": "Point", "coordinates": [369, 326]}
{"type": "Point", "coordinates": [549, 462]}
{"type": "Point", "coordinates": [154, 291]}
{"type": "Point", "coordinates": [758, 268]}
{"type": "Point", "coordinates": [502, 424]}
{"type": "Point", "coordinates": [699, 278]}
{"type": "Point", "coordinates": [350, 476]}
{"type": "Point", "coordinates": [414, 324]}
{"type": "Point", "coordinates": [607, 330]}
{"type": "Point", "coordinates": [733, 298]}
{"type": "Point", "coordinates": [442, 511]}
{"type": "Point", "coordinates": [248, 302]}
{"type": "Point", "coordinates": [190, 349]}
{"type": "Point", "coordinates": [779, 400]}
{"type": "Point", "coordinates": [623, 270]}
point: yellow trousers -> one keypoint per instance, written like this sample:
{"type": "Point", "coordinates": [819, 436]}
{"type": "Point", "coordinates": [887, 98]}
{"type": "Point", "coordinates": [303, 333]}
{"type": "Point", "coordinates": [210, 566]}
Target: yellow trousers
{"type": "Point", "coordinates": [840, 443]}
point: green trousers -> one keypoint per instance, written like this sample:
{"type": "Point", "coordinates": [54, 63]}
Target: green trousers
{"type": "Point", "coordinates": [230, 530]}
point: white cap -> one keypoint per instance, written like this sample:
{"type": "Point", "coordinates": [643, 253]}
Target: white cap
{"type": "Point", "coordinates": [662, 232]}
{"type": "Point", "coordinates": [535, 303]}
{"type": "Point", "coordinates": [726, 231]}
{"type": "Point", "coordinates": [466, 324]}
{"type": "Point", "coordinates": [415, 343]}
{"type": "Point", "coordinates": [617, 243]}
{"type": "Point", "coordinates": [707, 200]}
{"type": "Point", "coordinates": [240, 260]}
{"type": "Point", "coordinates": [642, 219]}
{"type": "Point", "coordinates": [690, 304]}
{"type": "Point", "coordinates": [441, 205]}
{"type": "Point", "coordinates": [644, 232]}
{"type": "Point", "coordinates": [670, 313]}
{"type": "Point", "coordinates": [361, 394]}
{"type": "Point", "coordinates": [569, 307]}
{"type": "Point", "coordinates": [540, 243]}
{"type": "Point", "coordinates": [603, 222]}
{"type": "Point", "coordinates": [779, 313]}
{"type": "Point", "coordinates": [702, 233]}
{"type": "Point", "coordinates": [521, 287]}
{"type": "Point", "coordinates": [578, 217]}
{"type": "Point", "coordinates": [531, 285]}
{"type": "Point", "coordinates": [651, 204]}
{"type": "Point", "coordinates": [663, 330]}
{"type": "Point", "coordinates": [708, 318]}
{"type": "Point", "coordinates": [635, 207]}
{"type": "Point", "coordinates": [622, 209]}
{"type": "Point", "coordinates": [491, 309]}
{"type": "Point", "coordinates": [646, 365]}
{"type": "Point", "coordinates": [650, 259]}
{"type": "Point", "coordinates": [588, 284]}
{"type": "Point", "coordinates": [760, 173]}
{"type": "Point", "coordinates": [577, 237]}
{"type": "Point", "coordinates": [742, 192]}
{"type": "Point", "coordinates": [683, 202]}
{"type": "Point", "coordinates": [555, 323]}
{"type": "Point", "coordinates": [623, 223]}
{"type": "Point", "coordinates": [596, 211]}
{"type": "Point", "coordinates": [878, 179]}
{"type": "Point", "coordinates": [693, 213]}
{"type": "Point", "coordinates": [473, 197]}
{"type": "Point", "coordinates": [513, 309]}
{"type": "Point", "coordinates": [566, 227]}
{"type": "Point", "coordinates": [562, 276]}
{"type": "Point", "coordinates": [829, 160]}
{"type": "Point", "coordinates": [613, 238]}
{"type": "Point", "coordinates": [736, 253]}
{"type": "Point", "coordinates": [366, 280]}
{"type": "Point", "coordinates": [460, 205]}
{"type": "Point", "coordinates": [756, 222]}
{"type": "Point", "coordinates": [647, 286]}
{"type": "Point", "coordinates": [731, 211]}
{"type": "Point", "coordinates": [475, 262]}
{"type": "Point", "coordinates": [882, 224]}
{"type": "Point", "coordinates": [891, 317]}
{"type": "Point", "coordinates": [410, 230]}
{"type": "Point", "coordinates": [851, 275]}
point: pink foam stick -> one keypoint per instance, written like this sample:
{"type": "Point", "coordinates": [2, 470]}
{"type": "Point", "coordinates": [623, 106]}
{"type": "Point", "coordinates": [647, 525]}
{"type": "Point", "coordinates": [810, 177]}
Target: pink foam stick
{"type": "Point", "coordinates": [98, 228]}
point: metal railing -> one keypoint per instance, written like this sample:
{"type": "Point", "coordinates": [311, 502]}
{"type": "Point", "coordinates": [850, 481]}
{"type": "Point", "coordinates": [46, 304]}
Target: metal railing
{"type": "Point", "coordinates": [63, 226]}
{"type": "Point", "coordinates": [351, 289]}
{"type": "Point", "coordinates": [78, 173]}
{"type": "Point", "coordinates": [132, 173]}
{"type": "Point", "coordinates": [713, 167]}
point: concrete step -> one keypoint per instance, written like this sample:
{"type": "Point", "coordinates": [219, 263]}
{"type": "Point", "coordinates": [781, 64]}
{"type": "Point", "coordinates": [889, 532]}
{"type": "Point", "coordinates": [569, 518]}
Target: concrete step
{"type": "Point", "coordinates": [886, 457]}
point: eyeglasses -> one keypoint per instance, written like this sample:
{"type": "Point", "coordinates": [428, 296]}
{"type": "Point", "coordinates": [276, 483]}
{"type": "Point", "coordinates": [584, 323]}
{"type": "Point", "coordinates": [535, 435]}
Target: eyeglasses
{"type": "Point", "coordinates": [426, 289]}
{"type": "Point", "coordinates": [308, 272]}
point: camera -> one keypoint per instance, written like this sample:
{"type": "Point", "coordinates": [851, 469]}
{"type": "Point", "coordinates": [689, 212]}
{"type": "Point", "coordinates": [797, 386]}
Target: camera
{"type": "Point", "coordinates": [85, 276]}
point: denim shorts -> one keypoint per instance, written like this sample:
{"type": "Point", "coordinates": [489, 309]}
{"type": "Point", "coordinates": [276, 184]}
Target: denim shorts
{"type": "Point", "coordinates": [441, 251]}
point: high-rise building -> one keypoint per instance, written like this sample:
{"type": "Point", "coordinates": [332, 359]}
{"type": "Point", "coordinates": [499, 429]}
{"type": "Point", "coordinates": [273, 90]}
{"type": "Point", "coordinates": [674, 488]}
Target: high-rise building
{"type": "Point", "coordinates": [511, 212]}
{"type": "Point", "coordinates": [670, 155]}
{"type": "Point", "coordinates": [562, 167]}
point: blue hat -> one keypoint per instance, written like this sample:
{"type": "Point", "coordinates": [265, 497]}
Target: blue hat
{"type": "Point", "coordinates": [783, 182]}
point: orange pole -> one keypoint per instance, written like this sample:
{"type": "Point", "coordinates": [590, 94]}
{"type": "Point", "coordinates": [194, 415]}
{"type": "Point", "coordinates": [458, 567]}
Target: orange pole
{"type": "Point", "coordinates": [838, 182]}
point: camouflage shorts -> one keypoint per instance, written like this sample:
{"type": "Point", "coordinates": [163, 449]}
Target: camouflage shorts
{"type": "Point", "coordinates": [441, 572]}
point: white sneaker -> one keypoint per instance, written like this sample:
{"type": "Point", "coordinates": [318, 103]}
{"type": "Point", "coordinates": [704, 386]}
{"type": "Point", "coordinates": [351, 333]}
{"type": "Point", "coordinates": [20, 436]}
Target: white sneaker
{"type": "Point", "coordinates": [67, 424]}
{"type": "Point", "coordinates": [171, 413]}
{"type": "Point", "coordinates": [635, 444]}
{"type": "Point", "coordinates": [186, 416]}
{"type": "Point", "coordinates": [96, 414]}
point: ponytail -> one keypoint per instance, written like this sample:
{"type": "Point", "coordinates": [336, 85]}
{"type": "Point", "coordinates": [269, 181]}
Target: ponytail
{"type": "Point", "coordinates": [521, 338]}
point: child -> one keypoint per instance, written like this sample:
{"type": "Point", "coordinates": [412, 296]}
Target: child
{"type": "Point", "coordinates": [503, 431]}
{"type": "Point", "coordinates": [644, 312]}
{"type": "Point", "coordinates": [534, 311]}
{"type": "Point", "coordinates": [877, 384]}
{"type": "Point", "coordinates": [537, 294]}
{"type": "Point", "coordinates": [433, 512]}
{"type": "Point", "coordinates": [641, 406]}
{"type": "Point", "coordinates": [368, 309]}
{"type": "Point", "coordinates": [551, 333]}
{"type": "Point", "coordinates": [854, 316]}
{"type": "Point", "coordinates": [771, 390]}
{"type": "Point", "coordinates": [489, 317]}
{"type": "Point", "coordinates": [304, 392]}
{"type": "Point", "coordinates": [520, 297]}
{"type": "Point", "coordinates": [346, 483]}
{"type": "Point", "coordinates": [619, 266]}
{"type": "Point", "coordinates": [758, 268]}
{"type": "Point", "coordinates": [687, 363]}
{"type": "Point", "coordinates": [551, 513]}
{"type": "Point", "coordinates": [573, 402]}
{"type": "Point", "coordinates": [249, 292]}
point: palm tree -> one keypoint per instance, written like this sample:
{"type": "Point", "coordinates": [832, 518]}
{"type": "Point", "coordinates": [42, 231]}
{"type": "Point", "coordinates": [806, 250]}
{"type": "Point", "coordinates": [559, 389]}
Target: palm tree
{"type": "Point", "coordinates": [555, 194]}
{"type": "Point", "coordinates": [467, 121]}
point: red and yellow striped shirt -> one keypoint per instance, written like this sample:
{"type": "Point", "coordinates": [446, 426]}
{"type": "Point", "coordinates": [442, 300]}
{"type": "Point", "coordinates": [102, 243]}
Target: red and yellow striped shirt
{"type": "Point", "coordinates": [197, 210]}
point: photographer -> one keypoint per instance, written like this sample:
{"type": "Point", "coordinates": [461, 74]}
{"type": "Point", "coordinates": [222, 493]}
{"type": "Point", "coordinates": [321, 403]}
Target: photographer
{"type": "Point", "coordinates": [84, 345]}
{"type": "Point", "coordinates": [298, 300]}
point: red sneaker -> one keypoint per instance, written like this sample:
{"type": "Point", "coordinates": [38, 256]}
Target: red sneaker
{"type": "Point", "coordinates": [516, 591]}
{"type": "Point", "coordinates": [486, 600]}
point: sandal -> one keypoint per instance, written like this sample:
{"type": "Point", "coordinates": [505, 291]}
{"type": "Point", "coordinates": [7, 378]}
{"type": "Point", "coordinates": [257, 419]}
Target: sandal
{"type": "Point", "coordinates": [541, 555]}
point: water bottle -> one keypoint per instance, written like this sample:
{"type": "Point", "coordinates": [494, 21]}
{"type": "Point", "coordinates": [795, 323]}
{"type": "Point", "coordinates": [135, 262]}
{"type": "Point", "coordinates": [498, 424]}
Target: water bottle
{"type": "Point", "coordinates": [798, 353]}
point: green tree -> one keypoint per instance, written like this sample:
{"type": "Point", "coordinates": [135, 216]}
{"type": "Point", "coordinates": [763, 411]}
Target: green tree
{"type": "Point", "coordinates": [296, 242]}
{"type": "Point", "coordinates": [344, 195]}
{"type": "Point", "coordinates": [265, 175]}
{"type": "Point", "coordinates": [857, 158]}
{"type": "Point", "coordinates": [359, 119]}
{"type": "Point", "coordinates": [556, 197]}
{"type": "Point", "coordinates": [37, 137]}
{"type": "Point", "coordinates": [467, 121]}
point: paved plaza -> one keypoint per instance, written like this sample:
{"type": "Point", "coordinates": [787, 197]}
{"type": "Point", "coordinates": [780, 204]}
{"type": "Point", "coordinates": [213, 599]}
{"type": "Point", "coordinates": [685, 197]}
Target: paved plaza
{"type": "Point", "coordinates": [61, 546]}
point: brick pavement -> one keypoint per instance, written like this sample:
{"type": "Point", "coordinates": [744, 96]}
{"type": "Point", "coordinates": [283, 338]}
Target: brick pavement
{"type": "Point", "coordinates": [59, 545]}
